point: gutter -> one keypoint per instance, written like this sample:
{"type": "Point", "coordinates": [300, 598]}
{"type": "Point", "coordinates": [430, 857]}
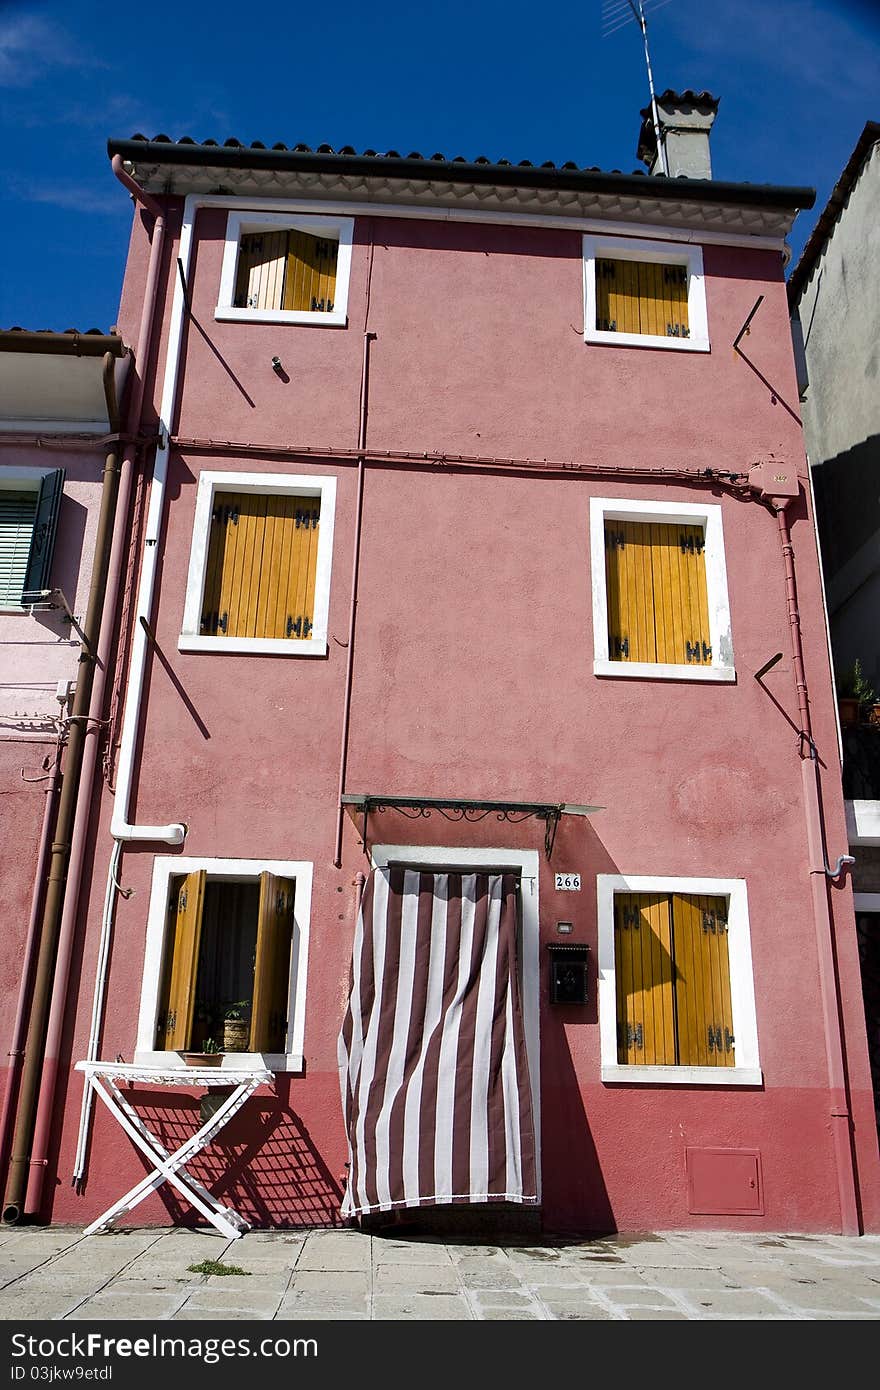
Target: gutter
{"type": "Point", "coordinates": [62, 344]}
{"type": "Point", "coordinates": [140, 153]}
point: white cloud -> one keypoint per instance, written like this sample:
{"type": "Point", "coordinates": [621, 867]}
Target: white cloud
{"type": "Point", "coordinates": [30, 47]}
{"type": "Point", "coordinates": [74, 197]}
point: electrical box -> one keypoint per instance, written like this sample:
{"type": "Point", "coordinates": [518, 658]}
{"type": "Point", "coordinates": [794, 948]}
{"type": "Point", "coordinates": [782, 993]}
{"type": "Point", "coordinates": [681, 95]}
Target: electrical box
{"type": "Point", "coordinates": [568, 973]}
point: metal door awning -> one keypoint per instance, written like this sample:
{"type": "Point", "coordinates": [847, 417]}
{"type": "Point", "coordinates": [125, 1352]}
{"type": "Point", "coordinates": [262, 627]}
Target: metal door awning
{"type": "Point", "coordinates": [464, 810]}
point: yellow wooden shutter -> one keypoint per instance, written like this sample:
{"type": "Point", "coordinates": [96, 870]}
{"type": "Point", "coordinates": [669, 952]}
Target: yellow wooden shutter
{"type": "Point", "coordinates": [259, 283]}
{"type": "Point", "coordinates": [644, 976]}
{"type": "Point", "coordinates": [658, 608]}
{"type": "Point", "coordinates": [262, 565]}
{"type": "Point", "coordinates": [182, 942]}
{"type": "Point", "coordinates": [272, 966]}
{"type": "Point", "coordinates": [310, 283]}
{"type": "Point", "coordinates": [702, 981]}
{"type": "Point", "coordinates": [641, 297]}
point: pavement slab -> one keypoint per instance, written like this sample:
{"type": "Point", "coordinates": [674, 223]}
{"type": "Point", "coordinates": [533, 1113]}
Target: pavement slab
{"type": "Point", "coordinates": [338, 1275]}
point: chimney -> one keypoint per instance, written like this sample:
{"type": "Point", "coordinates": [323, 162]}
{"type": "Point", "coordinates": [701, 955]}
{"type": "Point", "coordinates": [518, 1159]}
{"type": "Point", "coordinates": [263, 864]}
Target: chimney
{"type": "Point", "coordinates": [685, 121]}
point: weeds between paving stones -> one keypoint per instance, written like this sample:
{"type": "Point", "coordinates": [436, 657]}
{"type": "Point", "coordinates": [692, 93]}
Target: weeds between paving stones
{"type": "Point", "coordinates": [215, 1267]}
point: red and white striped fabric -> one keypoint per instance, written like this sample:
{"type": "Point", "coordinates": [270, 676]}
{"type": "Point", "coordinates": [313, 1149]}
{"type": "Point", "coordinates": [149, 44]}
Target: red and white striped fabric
{"type": "Point", "coordinates": [432, 1055]}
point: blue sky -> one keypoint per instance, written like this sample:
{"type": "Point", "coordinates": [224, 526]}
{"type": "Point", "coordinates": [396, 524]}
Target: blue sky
{"type": "Point", "coordinates": [797, 81]}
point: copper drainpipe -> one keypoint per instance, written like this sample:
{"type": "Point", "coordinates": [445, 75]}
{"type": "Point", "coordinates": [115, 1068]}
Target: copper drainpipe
{"type": "Point", "coordinates": [45, 1116]}
{"type": "Point", "coordinates": [29, 957]}
{"type": "Point", "coordinates": [352, 619]}
{"type": "Point", "coordinates": [841, 1127]}
{"type": "Point", "coordinates": [60, 850]}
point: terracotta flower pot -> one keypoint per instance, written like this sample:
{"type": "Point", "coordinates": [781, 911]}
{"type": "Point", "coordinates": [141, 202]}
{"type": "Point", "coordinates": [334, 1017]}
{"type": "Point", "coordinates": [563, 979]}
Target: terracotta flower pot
{"type": "Point", "coordinates": [203, 1059]}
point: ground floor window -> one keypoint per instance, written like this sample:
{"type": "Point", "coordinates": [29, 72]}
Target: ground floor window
{"type": "Point", "coordinates": [675, 990]}
{"type": "Point", "coordinates": [226, 955]}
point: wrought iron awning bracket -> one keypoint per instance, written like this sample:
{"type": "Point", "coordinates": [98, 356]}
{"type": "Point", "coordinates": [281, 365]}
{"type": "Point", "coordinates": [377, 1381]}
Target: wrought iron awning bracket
{"type": "Point", "coordinates": [460, 810]}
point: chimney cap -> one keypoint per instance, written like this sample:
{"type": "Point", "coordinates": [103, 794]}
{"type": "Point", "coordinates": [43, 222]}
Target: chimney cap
{"type": "Point", "coordinates": [671, 105]}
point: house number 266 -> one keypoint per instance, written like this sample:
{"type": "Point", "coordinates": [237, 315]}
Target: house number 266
{"type": "Point", "coordinates": [568, 883]}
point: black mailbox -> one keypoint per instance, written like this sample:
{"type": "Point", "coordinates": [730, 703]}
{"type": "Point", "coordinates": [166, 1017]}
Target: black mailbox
{"type": "Point", "coordinates": [568, 973]}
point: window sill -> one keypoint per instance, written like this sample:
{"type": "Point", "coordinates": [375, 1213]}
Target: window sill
{"type": "Point", "coordinates": [254, 646]}
{"type": "Point", "coordinates": [232, 1061]}
{"type": "Point", "coordinates": [335, 319]}
{"type": "Point", "coordinates": [683, 1076]}
{"type": "Point", "coordinates": [649, 340]}
{"type": "Point", "coordinates": [663, 671]}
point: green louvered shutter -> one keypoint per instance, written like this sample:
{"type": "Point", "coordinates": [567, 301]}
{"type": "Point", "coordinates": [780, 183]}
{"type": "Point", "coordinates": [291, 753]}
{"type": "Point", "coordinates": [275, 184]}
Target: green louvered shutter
{"type": "Point", "coordinates": [45, 525]}
{"type": "Point", "coordinates": [17, 512]}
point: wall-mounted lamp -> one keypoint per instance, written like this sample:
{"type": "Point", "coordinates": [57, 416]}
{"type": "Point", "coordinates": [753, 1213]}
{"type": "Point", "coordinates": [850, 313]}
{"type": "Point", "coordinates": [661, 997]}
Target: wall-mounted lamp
{"type": "Point", "coordinates": [276, 366]}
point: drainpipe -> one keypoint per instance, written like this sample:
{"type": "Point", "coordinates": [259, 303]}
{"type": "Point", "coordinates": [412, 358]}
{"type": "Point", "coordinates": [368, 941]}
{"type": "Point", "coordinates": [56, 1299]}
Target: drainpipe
{"type": "Point", "coordinates": [134, 411]}
{"type": "Point", "coordinates": [83, 817]}
{"type": "Point", "coordinates": [121, 829]}
{"type": "Point", "coordinates": [19, 1028]}
{"type": "Point", "coordinates": [819, 875]}
{"type": "Point", "coordinates": [49, 934]}
{"type": "Point", "coordinates": [352, 619]}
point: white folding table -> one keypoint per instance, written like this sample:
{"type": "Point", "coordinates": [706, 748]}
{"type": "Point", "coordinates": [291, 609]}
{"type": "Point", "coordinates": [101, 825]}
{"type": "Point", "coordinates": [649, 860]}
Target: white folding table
{"type": "Point", "coordinates": [104, 1078]}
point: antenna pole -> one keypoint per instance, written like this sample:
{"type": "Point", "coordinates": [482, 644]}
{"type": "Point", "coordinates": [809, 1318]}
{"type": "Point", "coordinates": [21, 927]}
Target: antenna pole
{"type": "Point", "coordinates": [643, 25]}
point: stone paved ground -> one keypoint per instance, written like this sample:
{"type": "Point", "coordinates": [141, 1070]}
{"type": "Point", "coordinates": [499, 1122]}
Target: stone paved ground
{"type": "Point", "coordinates": [59, 1274]}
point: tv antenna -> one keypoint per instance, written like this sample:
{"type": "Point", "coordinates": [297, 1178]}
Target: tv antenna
{"type": "Point", "coordinates": [616, 14]}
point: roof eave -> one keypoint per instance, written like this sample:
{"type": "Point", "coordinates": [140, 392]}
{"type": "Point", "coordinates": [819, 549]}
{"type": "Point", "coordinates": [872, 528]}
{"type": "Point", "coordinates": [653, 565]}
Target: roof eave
{"type": "Point", "coordinates": [141, 154]}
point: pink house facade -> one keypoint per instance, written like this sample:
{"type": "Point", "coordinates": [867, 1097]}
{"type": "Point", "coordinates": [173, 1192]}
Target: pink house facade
{"type": "Point", "coordinates": [497, 669]}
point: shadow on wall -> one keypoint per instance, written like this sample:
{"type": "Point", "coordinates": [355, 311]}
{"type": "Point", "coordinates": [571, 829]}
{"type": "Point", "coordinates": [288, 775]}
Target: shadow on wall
{"type": "Point", "coordinates": [847, 502]}
{"type": "Point", "coordinates": [264, 1164]}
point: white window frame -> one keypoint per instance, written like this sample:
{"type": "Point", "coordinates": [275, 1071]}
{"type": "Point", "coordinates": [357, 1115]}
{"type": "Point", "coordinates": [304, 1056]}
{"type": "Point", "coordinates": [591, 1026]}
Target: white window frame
{"type": "Point", "coordinates": [747, 1071]}
{"type": "Point", "coordinates": [707, 515]}
{"type": "Point", "coordinates": [166, 867]}
{"type": "Point", "coordinates": [658, 253]}
{"type": "Point", "coordinates": [528, 861]}
{"type": "Point", "coordinates": [269, 485]}
{"type": "Point", "coordinates": [242, 223]}
{"type": "Point", "coordinates": [15, 478]}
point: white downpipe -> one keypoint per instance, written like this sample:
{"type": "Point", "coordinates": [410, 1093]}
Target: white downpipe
{"type": "Point", "coordinates": [85, 1113]}
{"type": "Point", "coordinates": [120, 827]}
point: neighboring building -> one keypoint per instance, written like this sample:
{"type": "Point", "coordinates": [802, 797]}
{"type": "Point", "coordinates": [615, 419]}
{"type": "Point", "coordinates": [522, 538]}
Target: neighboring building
{"type": "Point", "coordinates": [834, 294]}
{"type": "Point", "coordinates": [467, 538]}
{"type": "Point", "coordinates": [53, 421]}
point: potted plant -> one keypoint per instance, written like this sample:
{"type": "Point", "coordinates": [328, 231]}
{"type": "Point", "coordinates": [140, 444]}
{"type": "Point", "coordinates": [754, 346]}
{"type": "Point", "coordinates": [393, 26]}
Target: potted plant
{"type": "Point", "coordinates": [211, 1057]}
{"type": "Point", "coordinates": [237, 1026]}
{"type": "Point", "coordinates": [856, 697]}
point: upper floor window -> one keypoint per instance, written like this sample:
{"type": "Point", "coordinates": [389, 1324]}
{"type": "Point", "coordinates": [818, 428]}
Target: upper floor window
{"type": "Point", "coordinates": [644, 294]}
{"type": "Point", "coordinates": [29, 505]}
{"type": "Point", "coordinates": [660, 604]}
{"type": "Point", "coordinates": [286, 268]}
{"type": "Point", "coordinates": [259, 575]}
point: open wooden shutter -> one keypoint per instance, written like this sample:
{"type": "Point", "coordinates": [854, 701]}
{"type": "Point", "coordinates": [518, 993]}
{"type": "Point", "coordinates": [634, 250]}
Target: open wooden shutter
{"type": "Point", "coordinates": [182, 941]}
{"type": "Point", "coordinates": [262, 565]}
{"type": "Point", "coordinates": [272, 966]}
{"type": "Point", "coordinates": [644, 974]}
{"type": "Point", "coordinates": [310, 284]}
{"type": "Point", "coordinates": [17, 512]}
{"type": "Point", "coordinates": [39, 563]}
{"type": "Point", "coordinates": [658, 608]}
{"type": "Point", "coordinates": [641, 297]}
{"type": "Point", "coordinates": [262, 257]}
{"type": "Point", "coordinates": [702, 984]}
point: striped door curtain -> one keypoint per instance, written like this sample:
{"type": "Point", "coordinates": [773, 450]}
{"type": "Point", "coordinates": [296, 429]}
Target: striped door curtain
{"type": "Point", "coordinates": [432, 1054]}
